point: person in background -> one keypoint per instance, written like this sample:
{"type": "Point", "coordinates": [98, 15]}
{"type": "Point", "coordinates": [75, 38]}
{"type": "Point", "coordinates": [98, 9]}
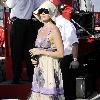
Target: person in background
{"type": "Point", "coordinates": [47, 79]}
{"type": "Point", "coordinates": [21, 34]}
{"type": "Point", "coordinates": [68, 9]}
{"type": "Point", "coordinates": [69, 63]}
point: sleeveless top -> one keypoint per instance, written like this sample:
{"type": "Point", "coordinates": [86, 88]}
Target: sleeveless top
{"type": "Point", "coordinates": [46, 43]}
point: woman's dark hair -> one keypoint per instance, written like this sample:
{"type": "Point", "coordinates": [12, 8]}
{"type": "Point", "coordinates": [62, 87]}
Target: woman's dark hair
{"type": "Point", "coordinates": [53, 22]}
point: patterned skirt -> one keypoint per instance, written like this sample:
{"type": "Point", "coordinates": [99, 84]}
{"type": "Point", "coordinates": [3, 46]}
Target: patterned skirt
{"type": "Point", "coordinates": [47, 80]}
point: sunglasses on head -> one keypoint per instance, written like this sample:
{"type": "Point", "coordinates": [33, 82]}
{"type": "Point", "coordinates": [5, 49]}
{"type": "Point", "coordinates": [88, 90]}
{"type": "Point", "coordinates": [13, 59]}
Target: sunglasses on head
{"type": "Point", "coordinates": [43, 10]}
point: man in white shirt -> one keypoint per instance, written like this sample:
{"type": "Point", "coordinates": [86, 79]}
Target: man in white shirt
{"type": "Point", "coordinates": [69, 63]}
{"type": "Point", "coordinates": [22, 34]}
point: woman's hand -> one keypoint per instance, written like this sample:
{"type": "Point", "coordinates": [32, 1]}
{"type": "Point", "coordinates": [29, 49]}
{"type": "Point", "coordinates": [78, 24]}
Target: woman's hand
{"type": "Point", "coordinates": [34, 62]}
{"type": "Point", "coordinates": [34, 51]}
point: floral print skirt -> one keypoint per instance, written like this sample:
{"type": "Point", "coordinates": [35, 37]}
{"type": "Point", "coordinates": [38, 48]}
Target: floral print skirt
{"type": "Point", "coordinates": [47, 80]}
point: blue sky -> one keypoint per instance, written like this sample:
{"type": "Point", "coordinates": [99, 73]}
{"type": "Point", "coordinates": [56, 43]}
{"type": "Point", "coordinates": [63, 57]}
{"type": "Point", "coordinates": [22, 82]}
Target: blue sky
{"type": "Point", "coordinates": [96, 4]}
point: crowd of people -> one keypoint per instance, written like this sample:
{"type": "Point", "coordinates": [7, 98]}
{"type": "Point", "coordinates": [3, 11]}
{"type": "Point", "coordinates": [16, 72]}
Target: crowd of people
{"type": "Point", "coordinates": [51, 58]}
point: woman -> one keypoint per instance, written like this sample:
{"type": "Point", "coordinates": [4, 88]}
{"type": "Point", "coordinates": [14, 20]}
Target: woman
{"type": "Point", "coordinates": [47, 79]}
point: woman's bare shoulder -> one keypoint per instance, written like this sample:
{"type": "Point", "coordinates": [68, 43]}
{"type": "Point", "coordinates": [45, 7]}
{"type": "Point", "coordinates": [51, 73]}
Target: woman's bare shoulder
{"type": "Point", "coordinates": [55, 28]}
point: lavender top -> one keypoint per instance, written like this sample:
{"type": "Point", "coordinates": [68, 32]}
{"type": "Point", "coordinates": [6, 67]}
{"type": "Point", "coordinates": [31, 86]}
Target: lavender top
{"type": "Point", "coordinates": [46, 43]}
